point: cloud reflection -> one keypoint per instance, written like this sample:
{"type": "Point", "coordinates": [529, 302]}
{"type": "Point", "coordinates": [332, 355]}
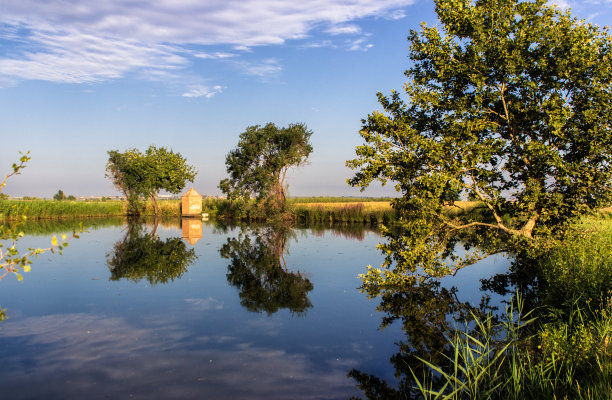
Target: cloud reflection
{"type": "Point", "coordinates": [86, 356]}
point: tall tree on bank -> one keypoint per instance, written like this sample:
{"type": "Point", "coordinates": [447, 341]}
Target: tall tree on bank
{"type": "Point", "coordinates": [508, 102]}
{"type": "Point", "coordinates": [140, 175]}
{"type": "Point", "coordinates": [258, 165]}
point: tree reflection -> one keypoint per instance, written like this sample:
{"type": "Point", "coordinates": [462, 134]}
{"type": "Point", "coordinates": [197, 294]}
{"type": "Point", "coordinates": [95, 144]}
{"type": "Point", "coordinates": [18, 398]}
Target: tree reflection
{"type": "Point", "coordinates": [141, 255]}
{"type": "Point", "coordinates": [429, 314]}
{"type": "Point", "coordinates": [259, 270]}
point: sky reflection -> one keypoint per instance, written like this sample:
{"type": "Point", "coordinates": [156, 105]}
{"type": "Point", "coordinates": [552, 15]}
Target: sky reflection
{"type": "Point", "coordinates": [81, 355]}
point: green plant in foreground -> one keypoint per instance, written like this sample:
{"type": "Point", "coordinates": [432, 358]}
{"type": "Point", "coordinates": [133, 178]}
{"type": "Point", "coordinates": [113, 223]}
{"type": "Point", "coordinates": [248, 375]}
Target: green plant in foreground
{"type": "Point", "coordinates": [11, 259]}
{"type": "Point", "coordinates": [500, 361]}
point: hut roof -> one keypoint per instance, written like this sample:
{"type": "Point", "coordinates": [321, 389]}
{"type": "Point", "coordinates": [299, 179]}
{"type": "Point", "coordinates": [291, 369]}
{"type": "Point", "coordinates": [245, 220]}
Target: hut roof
{"type": "Point", "coordinates": [192, 192]}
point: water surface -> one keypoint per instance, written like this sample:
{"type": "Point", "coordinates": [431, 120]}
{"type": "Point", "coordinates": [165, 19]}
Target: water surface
{"type": "Point", "coordinates": [153, 312]}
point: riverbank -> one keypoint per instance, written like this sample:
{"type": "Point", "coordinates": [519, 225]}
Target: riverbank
{"type": "Point", "coordinates": [300, 210]}
{"type": "Point", "coordinates": [51, 209]}
{"type": "Point", "coordinates": [555, 341]}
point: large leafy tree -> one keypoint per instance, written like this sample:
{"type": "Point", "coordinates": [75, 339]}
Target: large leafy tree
{"type": "Point", "coordinates": [140, 175]}
{"type": "Point", "coordinates": [258, 166]}
{"type": "Point", "coordinates": [507, 102]}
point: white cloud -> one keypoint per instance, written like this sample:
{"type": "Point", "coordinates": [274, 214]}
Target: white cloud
{"type": "Point", "coordinates": [215, 56]}
{"type": "Point", "coordinates": [261, 69]}
{"type": "Point", "coordinates": [358, 45]}
{"type": "Point", "coordinates": [562, 4]}
{"type": "Point", "coordinates": [344, 30]}
{"type": "Point", "coordinates": [203, 91]}
{"type": "Point", "coordinates": [76, 57]}
{"type": "Point", "coordinates": [85, 42]}
{"type": "Point", "coordinates": [317, 45]}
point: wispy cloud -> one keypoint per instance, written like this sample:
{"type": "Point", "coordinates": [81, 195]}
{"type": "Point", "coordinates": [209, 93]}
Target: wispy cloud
{"type": "Point", "coordinates": [260, 68]}
{"type": "Point", "coordinates": [215, 56]}
{"type": "Point", "coordinates": [203, 91]}
{"type": "Point", "coordinates": [358, 45]}
{"type": "Point", "coordinates": [344, 30]}
{"type": "Point", "coordinates": [77, 57]}
{"type": "Point", "coordinates": [87, 42]}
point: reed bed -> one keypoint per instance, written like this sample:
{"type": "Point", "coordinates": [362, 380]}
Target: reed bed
{"type": "Point", "coordinates": [334, 212]}
{"type": "Point", "coordinates": [560, 350]}
{"type": "Point", "coordinates": [49, 209]}
{"type": "Point", "coordinates": [330, 199]}
{"type": "Point", "coordinates": [52, 209]}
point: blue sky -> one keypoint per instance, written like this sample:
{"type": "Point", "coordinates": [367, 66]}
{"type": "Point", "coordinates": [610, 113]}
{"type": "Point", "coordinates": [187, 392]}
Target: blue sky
{"type": "Point", "coordinates": [79, 78]}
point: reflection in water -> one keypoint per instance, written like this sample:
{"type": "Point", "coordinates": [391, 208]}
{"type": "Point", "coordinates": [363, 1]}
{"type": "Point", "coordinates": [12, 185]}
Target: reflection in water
{"type": "Point", "coordinates": [349, 231]}
{"type": "Point", "coordinates": [429, 314]}
{"type": "Point", "coordinates": [259, 270]}
{"type": "Point", "coordinates": [115, 358]}
{"type": "Point", "coordinates": [48, 227]}
{"type": "Point", "coordinates": [191, 229]}
{"type": "Point", "coordinates": [141, 255]}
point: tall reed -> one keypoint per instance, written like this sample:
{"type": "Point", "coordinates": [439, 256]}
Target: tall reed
{"type": "Point", "coordinates": [52, 209]}
{"type": "Point", "coordinates": [507, 360]}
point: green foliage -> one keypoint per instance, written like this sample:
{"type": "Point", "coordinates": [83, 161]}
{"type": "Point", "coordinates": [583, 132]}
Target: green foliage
{"type": "Point", "coordinates": [12, 260]}
{"type": "Point", "coordinates": [59, 195]}
{"type": "Point", "coordinates": [579, 267]}
{"type": "Point", "coordinates": [498, 360]}
{"type": "Point", "coordinates": [564, 352]}
{"type": "Point", "coordinates": [140, 175]}
{"type": "Point", "coordinates": [50, 209]}
{"type": "Point", "coordinates": [508, 102]}
{"type": "Point", "coordinates": [258, 165]}
{"type": "Point", "coordinates": [142, 255]}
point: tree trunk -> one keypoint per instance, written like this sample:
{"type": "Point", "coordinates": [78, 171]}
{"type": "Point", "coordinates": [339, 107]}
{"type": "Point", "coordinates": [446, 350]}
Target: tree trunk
{"type": "Point", "coordinates": [155, 206]}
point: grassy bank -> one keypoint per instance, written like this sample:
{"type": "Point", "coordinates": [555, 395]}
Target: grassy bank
{"type": "Point", "coordinates": [560, 350]}
{"type": "Point", "coordinates": [300, 210]}
{"type": "Point", "coordinates": [371, 212]}
{"type": "Point", "coordinates": [51, 209]}
{"type": "Point", "coordinates": [308, 210]}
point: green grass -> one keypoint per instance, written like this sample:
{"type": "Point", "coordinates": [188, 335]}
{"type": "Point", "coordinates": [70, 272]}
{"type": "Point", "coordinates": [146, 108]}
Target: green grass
{"type": "Point", "coordinates": [329, 199]}
{"type": "Point", "coordinates": [563, 352]}
{"type": "Point", "coordinates": [505, 361]}
{"type": "Point", "coordinates": [48, 209]}
{"type": "Point", "coordinates": [51, 209]}
{"type": "Point", "coordinates": [335, 212]}
{"type": "Point", "coordinates": [582, 266]}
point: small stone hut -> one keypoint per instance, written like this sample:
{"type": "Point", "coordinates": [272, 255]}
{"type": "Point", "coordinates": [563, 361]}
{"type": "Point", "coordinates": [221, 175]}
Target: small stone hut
{"type": "Point", "coordinates": [191, 203]}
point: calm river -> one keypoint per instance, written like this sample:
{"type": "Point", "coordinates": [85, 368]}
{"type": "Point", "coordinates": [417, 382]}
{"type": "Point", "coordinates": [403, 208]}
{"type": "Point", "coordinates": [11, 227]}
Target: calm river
{"type": "Point", "coordinates": [158, 312]}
